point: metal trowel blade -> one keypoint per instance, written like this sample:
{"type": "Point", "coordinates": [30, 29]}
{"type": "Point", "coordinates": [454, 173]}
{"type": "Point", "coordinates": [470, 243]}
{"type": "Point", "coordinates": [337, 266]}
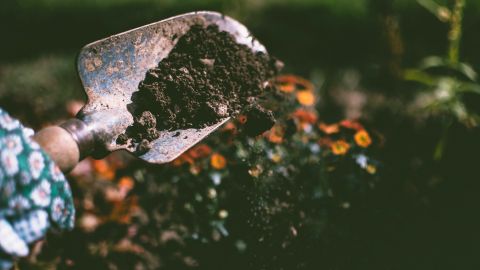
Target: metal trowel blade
{"type": "Point", "coordinates": [111, 70]}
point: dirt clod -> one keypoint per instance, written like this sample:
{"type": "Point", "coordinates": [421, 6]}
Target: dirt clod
{"type": "Point", "coordinates": [258, 120]}
{"type": "Point", "coordinates": [205, 78]}
{"type": "Point", "coordinates": [144, 146]}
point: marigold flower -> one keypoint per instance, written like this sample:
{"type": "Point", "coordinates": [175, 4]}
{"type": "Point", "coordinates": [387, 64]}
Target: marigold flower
{"type": "Point", "coordinates": [325, 142]}
{"type": "Point", "coordinates": [126, 182]}
{"type": "Point", "coordinates": [100, 165]}
{"type": "Point", "coordinates": [184, 158]}
{"type": "Point", "coordinates": [371, 169]}
{"type": "Point", "coordinates": [287, 88]}
{"type": "Point", "coordinates": [122, 211]}
{"type": "Point", "coordinates": [178, 161]}
{"type": "Point", "coordinates": [351, 124]}
{"type": "Point", "coordinates": [103, 168]}
{"type": "Point", "coordinates": [275, 138]}
{"type": "Point", "coordinates": [229, 126]}
{"type": "Point", "coordinates": [274, 135]}
{"type": "Point", "coordinates": [290, 83]}
{"type": "Point", "coordinates": [242, 119]}
{"type": "Point", "coordinates": [329, 129]}
{"type": "Point", "coordinates": [340, 147]}
{"type": "Point", "coordinates": [218, 161]}
{"type": "Point", "coordinates": [305, 97]}
{"type": "Point", "coordinates": [362, 138]}
{"type": "Point", "coordinates": [305, 116]}
{"type": "Point", "coordinates": [199, 151]}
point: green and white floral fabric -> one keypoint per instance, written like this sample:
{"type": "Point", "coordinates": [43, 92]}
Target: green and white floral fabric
{"type": "Point", "coordinates": [34, 194]}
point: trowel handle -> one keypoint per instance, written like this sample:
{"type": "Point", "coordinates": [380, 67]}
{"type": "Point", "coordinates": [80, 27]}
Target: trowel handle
{"type": "Point", "coordinates": [66, 144]}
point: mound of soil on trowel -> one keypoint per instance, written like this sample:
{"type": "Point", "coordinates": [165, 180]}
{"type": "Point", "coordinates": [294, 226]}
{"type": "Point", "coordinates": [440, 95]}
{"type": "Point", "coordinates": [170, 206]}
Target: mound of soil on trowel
{"type": "Point", "coordinates": [205, 78]}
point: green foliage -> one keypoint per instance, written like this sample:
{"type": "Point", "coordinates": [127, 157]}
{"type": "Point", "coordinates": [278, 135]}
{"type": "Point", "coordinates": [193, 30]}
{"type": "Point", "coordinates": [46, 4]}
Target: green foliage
{"type": "Point", "coordinates": [444, 88]}
{"type": "Point", "coordinates": [446, 82]}
{"type": "Point", "coordinates": [37, 89]}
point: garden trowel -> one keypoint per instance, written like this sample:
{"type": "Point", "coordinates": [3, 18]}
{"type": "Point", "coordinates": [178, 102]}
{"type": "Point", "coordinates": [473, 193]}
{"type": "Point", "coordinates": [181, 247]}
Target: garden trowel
{"type": "Point", "coordinates": [111, 70]}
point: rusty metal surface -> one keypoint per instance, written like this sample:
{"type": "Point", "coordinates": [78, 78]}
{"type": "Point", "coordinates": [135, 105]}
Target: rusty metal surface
{"type": "Point", "coordinates": [112, 68]}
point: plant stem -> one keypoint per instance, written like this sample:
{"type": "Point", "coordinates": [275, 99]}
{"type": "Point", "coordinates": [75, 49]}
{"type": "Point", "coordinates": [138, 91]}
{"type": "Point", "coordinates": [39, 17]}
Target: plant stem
{"type": "Point", "coordinates": [442, 142]}
{"type": "Point", "coordinates": [455, 33]}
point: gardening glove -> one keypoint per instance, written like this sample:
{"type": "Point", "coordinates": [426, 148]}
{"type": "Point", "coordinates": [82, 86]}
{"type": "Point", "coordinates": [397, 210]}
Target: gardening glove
{"type": "Point", "coordinates": [34, 194]}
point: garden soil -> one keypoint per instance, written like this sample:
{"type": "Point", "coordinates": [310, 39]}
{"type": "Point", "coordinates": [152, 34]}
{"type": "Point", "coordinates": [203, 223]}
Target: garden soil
{"type": "Point", "coordinates": [206, 77]}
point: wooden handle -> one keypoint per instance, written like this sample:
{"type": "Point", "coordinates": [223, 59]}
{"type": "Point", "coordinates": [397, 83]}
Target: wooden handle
{"type": "Point", "coordinates": [60, 146]}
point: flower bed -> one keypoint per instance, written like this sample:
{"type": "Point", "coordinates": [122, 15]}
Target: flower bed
{"type": "Point", "coordinates": [231, 198]}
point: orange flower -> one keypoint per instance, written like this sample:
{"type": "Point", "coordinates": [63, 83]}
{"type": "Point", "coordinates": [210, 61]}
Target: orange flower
{"type": "Point", "coordinates": [306, 98]}
{"type": "Point", "coordinates": [340, 147]}
{"type": "Point", "coordinates": [351, 124]}
{"type": "Point", "coordinates": [126, 182]}
{"type": "Point", "coordinates": [329, 129]}
{"type": "Point", "coordinates": [274, 135]}
{"type": "Point", "coordinates": [183, 158]}
{"type": "Point", "coordinates": [218, 161]}
{"type": "Point", "coordinates": [122, 211]}
{"type": "Point", "coordinates": [199, 151]}
{"type": "Point", "coordinates": [305, 116]}
{"type": "Point", "coordinates": [287, 88]}
{"type": "Point", "coordinates": [290, 83]}
{"type": "Point", "coordinates": [178, 161]}
{"type": "Point", "coordinates": [103, 169]}
{"type": "Point", "coordinates": [196, 152]}
{"type": "Point", "coordinates": [229, 126]}
{"type": "Point", "coordinates": [362, 138]}
{"type": "Point", "coordinates": [325, 142]}
{"type": "Point", "coordinates": [100, 165]}
{"type": "Point", "coordinates": [242, 119]}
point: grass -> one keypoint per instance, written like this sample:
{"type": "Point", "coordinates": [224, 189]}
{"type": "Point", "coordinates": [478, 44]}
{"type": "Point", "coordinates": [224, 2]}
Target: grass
{"type": "Point", "coordinates": [40, 87]}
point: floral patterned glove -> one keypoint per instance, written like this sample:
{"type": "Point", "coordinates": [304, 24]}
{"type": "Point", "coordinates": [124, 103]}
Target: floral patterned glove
{"type": "Point", "coordinates": [34, 194]}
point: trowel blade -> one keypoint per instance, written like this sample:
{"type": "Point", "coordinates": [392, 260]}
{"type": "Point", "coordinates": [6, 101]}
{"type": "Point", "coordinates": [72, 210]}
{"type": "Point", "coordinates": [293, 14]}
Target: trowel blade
{"type": "Point", "coordinates": [112, 68]}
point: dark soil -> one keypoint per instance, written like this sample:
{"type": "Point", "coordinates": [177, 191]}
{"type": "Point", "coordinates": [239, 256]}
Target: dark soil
{"type": "Point", "coordinates": [259, 119]}
{"type": "Point", "coordinates": [205, 78]}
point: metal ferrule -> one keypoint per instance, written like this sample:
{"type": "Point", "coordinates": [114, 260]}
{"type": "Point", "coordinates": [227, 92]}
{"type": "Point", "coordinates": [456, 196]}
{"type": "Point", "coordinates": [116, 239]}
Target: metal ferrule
{"type": "Point", "coordinates": [82, 136]}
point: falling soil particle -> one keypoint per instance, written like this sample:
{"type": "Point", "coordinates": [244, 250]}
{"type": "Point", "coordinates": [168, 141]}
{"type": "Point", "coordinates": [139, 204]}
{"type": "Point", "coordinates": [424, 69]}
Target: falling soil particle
{"type": "Point", "coordinates": [258, 120]}
{"type": "Point", "coordinates": [207, 77]}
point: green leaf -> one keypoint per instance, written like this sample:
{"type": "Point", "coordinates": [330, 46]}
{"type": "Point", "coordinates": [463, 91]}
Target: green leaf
{"type": "Point", "coordinates": [467, 70]}
{"type": "Point", "coordinates": [434, 62]}
{"type": "Point", "coordinates": [442, 13]}
{"type": "Point", "coordinates": [419, 76]}
{"type": "Point", "coordinates": [468, 88]}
